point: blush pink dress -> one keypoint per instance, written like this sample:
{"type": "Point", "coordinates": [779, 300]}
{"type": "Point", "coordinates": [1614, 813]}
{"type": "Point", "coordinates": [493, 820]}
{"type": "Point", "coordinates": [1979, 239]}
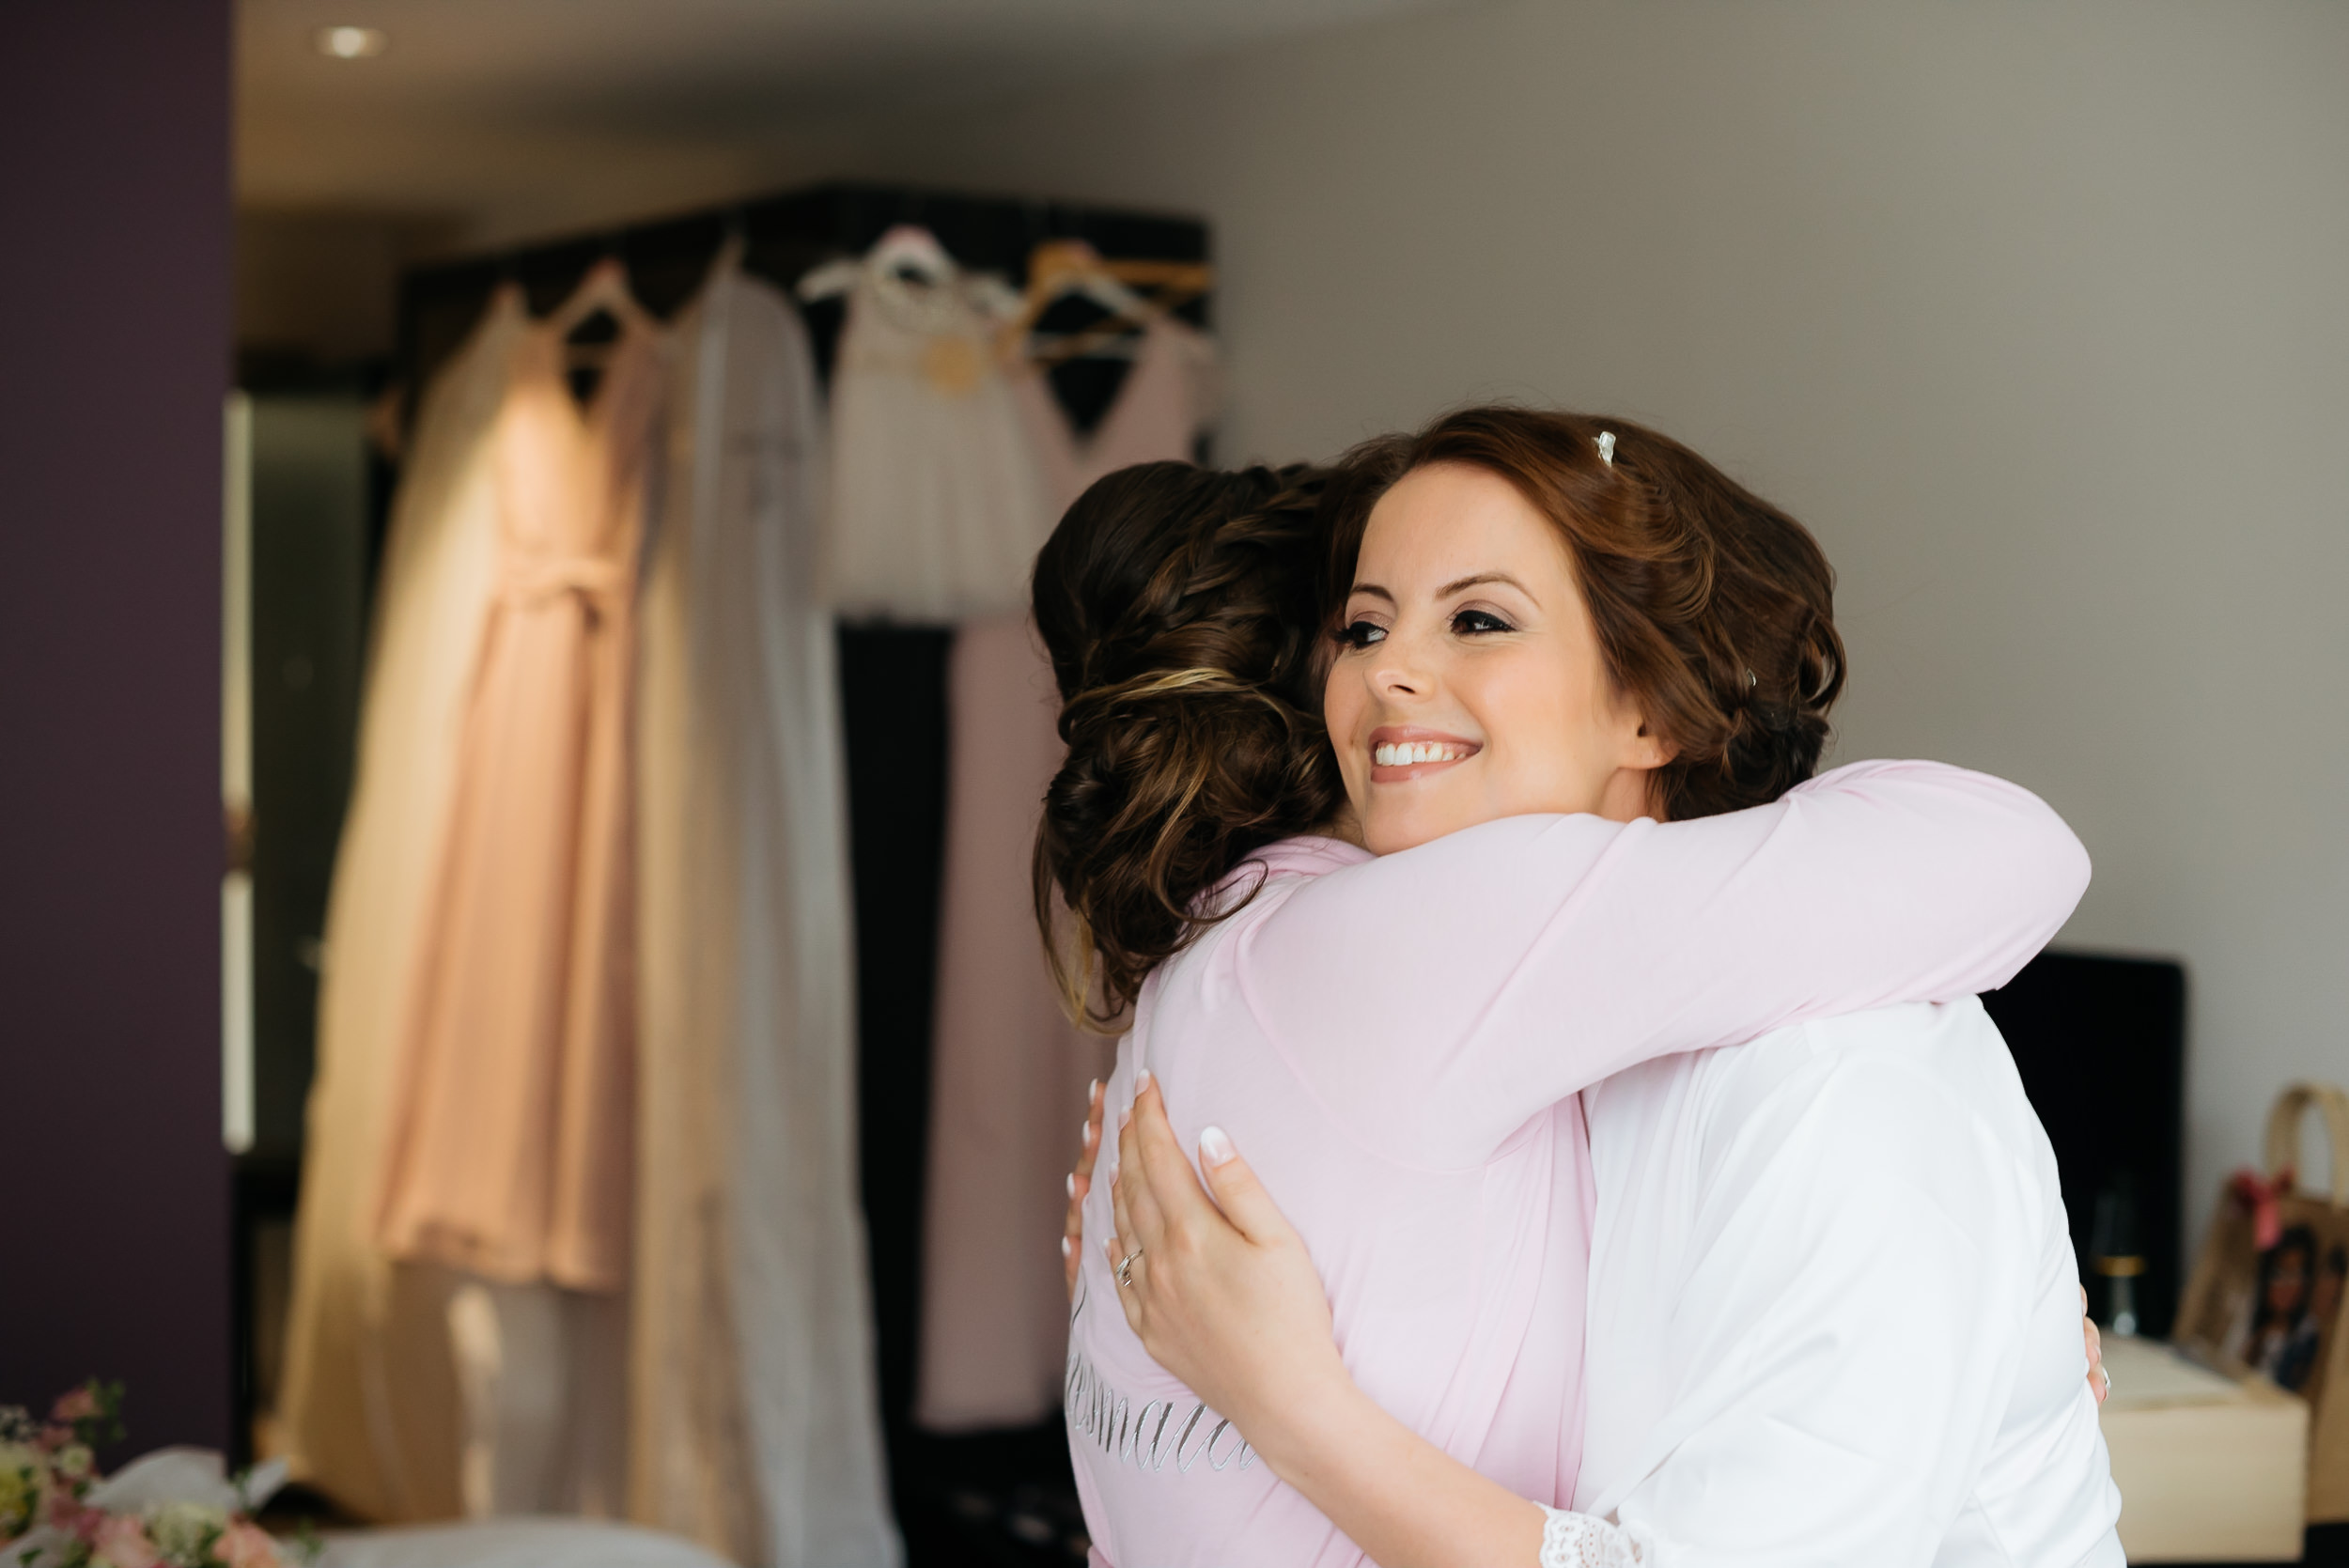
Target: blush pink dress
{"type": "Point", "coordinates": [510, 1154]}
{"type": "Point", "coordinates": [1009, 1089]}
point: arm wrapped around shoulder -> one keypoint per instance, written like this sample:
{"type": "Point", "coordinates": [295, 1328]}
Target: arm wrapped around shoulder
{"type": "Point", "coordinates": [1440, 995]}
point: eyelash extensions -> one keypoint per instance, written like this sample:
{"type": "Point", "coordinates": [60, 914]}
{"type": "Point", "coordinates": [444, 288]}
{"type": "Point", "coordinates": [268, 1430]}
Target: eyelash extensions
{"type": "Point", "coordinates": [1494, 623]}
{"type": "Point", "coordinates": [1357, 635]}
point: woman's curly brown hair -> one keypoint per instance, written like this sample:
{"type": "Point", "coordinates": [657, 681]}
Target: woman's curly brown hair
{"type": "Point", "coordinates": [1180, 606]}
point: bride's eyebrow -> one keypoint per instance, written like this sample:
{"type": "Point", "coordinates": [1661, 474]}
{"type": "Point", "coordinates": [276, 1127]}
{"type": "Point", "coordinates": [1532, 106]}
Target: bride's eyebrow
{"type": "Point", "coordinates": [1371, 588]}
{"type": "Point", "coordinates": [1477, 579]}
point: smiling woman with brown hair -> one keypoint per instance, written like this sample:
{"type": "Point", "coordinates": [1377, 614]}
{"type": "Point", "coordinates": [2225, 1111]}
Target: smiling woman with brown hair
{"type": "Point", "coordinates": [1712, 610]}
{"type": "Point", "coordinates": [1398, 1037]}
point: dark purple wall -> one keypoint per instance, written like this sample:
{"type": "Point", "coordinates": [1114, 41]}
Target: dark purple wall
{"type": "Point", "coordinates": [114, 360]}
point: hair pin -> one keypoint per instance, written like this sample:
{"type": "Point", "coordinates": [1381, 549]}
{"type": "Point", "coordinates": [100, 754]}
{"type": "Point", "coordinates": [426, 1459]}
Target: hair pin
{"type": "Point", "coordinates": [1607, 447]}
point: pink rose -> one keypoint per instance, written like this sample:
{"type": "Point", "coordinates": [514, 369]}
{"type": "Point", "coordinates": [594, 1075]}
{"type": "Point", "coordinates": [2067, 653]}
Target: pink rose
{"type": "Point", "coordinates": [76, 1405]}
{"type": "Point", "coordinates": [122, 1542]}
{"type": "Point", "coordinates": [245, 1544]}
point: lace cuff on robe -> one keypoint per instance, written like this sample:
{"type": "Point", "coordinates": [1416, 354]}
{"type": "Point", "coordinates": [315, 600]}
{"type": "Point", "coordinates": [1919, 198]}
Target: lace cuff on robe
{"type": "Point", "coordinates": [1583, 1540]}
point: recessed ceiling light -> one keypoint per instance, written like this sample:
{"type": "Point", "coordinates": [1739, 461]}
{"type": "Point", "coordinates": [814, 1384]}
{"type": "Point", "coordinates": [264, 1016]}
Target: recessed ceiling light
{"type": "Point", "coordinates": [352, 43]}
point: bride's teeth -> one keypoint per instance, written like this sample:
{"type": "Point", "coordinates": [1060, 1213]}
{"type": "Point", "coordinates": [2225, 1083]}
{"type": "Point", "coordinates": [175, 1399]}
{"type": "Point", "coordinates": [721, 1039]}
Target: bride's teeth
{"type": "Point", "coordinates": [1410, 753]}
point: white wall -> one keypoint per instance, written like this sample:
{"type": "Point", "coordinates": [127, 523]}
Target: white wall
{"type": "Point", "coordinates": [2035, 314]}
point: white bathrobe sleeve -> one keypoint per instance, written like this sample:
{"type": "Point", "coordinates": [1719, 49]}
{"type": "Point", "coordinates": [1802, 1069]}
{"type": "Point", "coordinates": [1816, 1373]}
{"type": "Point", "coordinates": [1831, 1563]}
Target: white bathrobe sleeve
{"type": "Point", "coordinates": [1864, 1283]}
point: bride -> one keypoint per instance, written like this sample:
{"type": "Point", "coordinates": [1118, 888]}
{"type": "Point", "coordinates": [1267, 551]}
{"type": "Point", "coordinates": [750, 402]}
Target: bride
{"type": "Point", "coordinates": [1555, 632]}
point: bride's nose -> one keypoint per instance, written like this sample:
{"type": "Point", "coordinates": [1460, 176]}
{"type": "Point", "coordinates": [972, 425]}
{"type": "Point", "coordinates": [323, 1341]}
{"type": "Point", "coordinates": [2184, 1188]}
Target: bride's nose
{"type": "Point", "coordinates": [1401, 671]}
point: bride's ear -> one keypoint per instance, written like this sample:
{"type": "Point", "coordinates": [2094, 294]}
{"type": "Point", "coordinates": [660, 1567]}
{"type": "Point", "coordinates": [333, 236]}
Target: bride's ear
{"type": "Point", "coordinates": [1650, 750]}
{"type": "Point", "coordinates": [1632, 792]}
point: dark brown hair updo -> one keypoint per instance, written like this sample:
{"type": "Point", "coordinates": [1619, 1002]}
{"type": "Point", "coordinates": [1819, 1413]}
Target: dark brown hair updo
{"type": "Point", "coordinates": [1715, 611]}
{"type": "Point", "coordinates": [1180, 608]}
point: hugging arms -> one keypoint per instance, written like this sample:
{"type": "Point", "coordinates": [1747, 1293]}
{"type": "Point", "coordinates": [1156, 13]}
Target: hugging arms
{"type": "Point", "coordinates": [1535, 616]}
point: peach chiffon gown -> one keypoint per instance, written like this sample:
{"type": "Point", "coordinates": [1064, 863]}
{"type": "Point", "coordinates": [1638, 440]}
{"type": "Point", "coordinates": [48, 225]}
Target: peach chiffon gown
{"type": "Point", "coordinates": [511, 1155]}
{"type": "Point", "coordinates": [1009, 1089]}
{"type": "Point", "coordinates": [509, 1163]}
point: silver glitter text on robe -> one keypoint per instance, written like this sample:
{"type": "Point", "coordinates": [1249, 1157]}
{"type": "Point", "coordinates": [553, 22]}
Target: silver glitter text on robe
{"type": "Point", "coordinates": [1185, 1431]}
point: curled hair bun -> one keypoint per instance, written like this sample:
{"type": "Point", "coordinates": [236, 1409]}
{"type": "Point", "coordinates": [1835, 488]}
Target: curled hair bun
{"type": "Point", "coordinates": [1178, 608]}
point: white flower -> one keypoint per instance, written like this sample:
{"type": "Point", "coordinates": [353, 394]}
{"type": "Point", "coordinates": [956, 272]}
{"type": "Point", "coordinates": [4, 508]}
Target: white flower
{"type": "Point", "coordinates": [184, 1531]}
{"type": "Point", "coordinates": [21, 1469]}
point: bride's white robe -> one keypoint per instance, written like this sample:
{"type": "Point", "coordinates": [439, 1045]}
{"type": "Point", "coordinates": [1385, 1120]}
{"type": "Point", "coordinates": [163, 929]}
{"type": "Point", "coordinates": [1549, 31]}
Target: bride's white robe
{"type": "Point", "coordinates": [1834, 1315]}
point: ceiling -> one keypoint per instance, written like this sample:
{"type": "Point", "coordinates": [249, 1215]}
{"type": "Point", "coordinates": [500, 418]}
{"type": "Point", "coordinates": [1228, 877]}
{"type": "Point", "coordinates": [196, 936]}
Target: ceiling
{"type": "Point", "coordinates": [480, 100]}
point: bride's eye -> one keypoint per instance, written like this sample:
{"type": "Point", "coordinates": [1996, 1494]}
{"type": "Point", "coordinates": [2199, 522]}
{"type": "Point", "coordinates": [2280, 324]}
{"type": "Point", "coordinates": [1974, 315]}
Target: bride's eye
{"type": "Point", "coordinates": [1473, 623]}
{"type": "Point", "coordinates": [1361, 634]}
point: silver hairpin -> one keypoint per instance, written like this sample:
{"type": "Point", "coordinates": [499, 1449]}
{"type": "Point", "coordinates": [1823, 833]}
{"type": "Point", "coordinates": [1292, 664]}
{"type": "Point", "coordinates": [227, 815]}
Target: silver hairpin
{"type": "Point", "coordinates": [1607, 447]}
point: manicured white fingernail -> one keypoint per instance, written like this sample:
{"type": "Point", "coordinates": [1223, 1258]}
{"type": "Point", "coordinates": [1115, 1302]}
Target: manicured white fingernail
{"type": "Point", "coordinates": [1072, 1184]}
{"type": "Point", "coordinates": [1063, 1247]}
{"type": "Point", "coordinates": [1142, 1081]}
{"type": "Point", "coordinates": [1092, 1090]}
{"type": "Point", "coordinates": [1215, 1146]}
{"type": "Point", "coordinates": [1084, 1131]}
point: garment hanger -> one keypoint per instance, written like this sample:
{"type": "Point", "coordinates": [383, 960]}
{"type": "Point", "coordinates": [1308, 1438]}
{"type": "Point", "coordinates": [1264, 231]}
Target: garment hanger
{"type": "Point", "coordinates": [907, 249]}
{"type": "Point", "coordinates": [603, 295]}
{"type": "Point", "coordinates": [733, 246]}
{"type": "Point", "coordinates": [604, 291]}
{"type": "Point", "coordinates": [1058, 268]}
{"type": "Point", "coordinates": [1174, 283]}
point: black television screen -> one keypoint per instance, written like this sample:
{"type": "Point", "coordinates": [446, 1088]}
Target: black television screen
{"type": "Point", "coordinates": [2100, 1043]}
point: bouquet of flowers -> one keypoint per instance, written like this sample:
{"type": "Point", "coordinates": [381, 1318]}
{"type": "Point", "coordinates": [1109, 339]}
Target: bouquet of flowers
{"type": "Point", "coordinates": [175, 1508]}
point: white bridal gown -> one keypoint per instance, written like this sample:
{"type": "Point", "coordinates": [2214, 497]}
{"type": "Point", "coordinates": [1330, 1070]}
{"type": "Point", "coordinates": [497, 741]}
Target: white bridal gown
{"type": "Point", "coordinates": [754, 1426]}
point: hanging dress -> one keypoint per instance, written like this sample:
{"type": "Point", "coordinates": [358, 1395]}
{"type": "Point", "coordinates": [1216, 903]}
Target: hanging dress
{"type": "Point", "coordinates": [753, 1415]}
{"type": "Point", "coordinates": [368, 1407]}
{"type": "Point", "coordinates": [511, 1152]}
{"type": "Point", "coordinates": [1010, 1070]}
{"type": "Point", "coordinates": [936, 508]}
{"type": "Point", "coordinates": [1169, 397]}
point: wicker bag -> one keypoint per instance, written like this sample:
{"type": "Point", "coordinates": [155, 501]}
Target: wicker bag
{"type": "Point", "coordinates": [2266, 1291]}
